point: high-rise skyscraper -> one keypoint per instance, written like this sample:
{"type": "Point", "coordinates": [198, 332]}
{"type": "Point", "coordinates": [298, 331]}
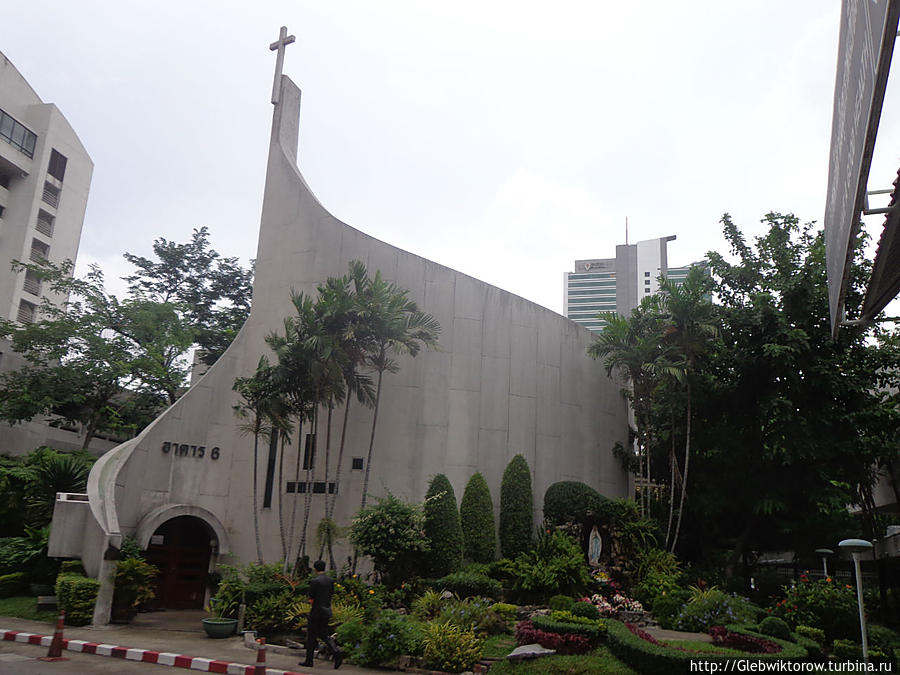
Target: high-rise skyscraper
{"type": "Point", "coordinates": [617, 284]}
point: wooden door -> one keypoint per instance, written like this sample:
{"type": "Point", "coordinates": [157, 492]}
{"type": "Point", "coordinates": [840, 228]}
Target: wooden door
{"type": "Point", "coordinates": [180, 549]}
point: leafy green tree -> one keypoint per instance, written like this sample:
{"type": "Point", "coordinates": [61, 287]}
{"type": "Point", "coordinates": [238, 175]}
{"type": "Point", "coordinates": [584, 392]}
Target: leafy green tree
{"type": "Point", "coordinates": [442, 528]}
{"type": "Point", "coordinates": [476, 513]}
{"type": "Point", "coordinates": [516, 508]}
{"type": "Point", "coordinates": [95, 360]}
{"type": "Point", "coordinates": [212, 293]}
{"type": "Point", "coordinates": [572, 502]}
{"type": "Point", "coordinates": [792, 423]}
{"type": "Point", "coordinates": [392, 533]}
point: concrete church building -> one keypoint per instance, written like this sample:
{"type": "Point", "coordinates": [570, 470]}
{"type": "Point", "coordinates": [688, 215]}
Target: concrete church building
{"type": "Point", "coordinates": [510, 377]}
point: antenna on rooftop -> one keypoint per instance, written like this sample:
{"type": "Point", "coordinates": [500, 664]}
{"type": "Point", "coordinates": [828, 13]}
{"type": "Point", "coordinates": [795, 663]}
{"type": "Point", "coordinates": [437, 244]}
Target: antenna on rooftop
{"type": "Point", "coordinates": [626, 230]}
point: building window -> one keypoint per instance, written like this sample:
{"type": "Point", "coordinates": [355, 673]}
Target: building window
{"type": "Point", "coordinates": [57, 166]}
{"type": "Point", "coordinates": [4, 180]}
{"type": "Point", "coordinates": [32, 283]}
{"type": "Point", "coordinates": [646, 274]}
{"type": "Point", "coordinates": [2, 209]}
{"type": "Point", "coordinates": [39, 251]}
{"type": "Point", "coordinates": [27, 311]}
{"type": "Point", "coordinates": [44, 223]}
{"type": "Point", "coordinates": [646, 282]}
{"type": "Point", "coordinates": [357, 464]}
{"type": "Point", "coordinates": [17, 135]}
{"type": "Point", "coordinates": [646, 290]}
{"type": "Point", "coordinates": [51, 194]}
{"type": "Point", "coordinates": [319, 487]}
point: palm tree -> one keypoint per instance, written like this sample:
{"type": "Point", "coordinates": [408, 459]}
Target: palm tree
{"type": "Point", "coordinates": [691, 325]}
{"type": "Point", "coordinates": [259, 402]}
{"type": "Point", "coordinates": [634, 348]}
{"type": "Point", "coordinates": [394, 325]}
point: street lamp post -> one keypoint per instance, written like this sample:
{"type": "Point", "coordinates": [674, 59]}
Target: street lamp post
{"type": "Point", "coordinates": [824, 552]}
{"type": "Point", "coordinates": [855, 547]}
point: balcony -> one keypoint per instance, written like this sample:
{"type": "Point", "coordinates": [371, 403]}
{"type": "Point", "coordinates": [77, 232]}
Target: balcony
{"type": "Point", "coordinates": [17, 135]}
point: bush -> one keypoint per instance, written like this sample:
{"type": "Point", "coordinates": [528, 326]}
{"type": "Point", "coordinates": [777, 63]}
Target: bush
{"type": "Point", "coordinates": [564, 643]}
{"type": "Point", "coordinates": [450, 648]}
{"type": "Point", "coordinates": [476, 514]}
{"type": "Point", "coordinates": [76, 596]}
{"type": "Point", "coordinates": [507, 611]}
{"type": "Point", "coordinates": [350, 637]}
{"type": "Point", "coordinates": [12, 584]}
{"type": "Point", "coordinates": [442, 528]}
{"type": "Point", "coordinates": [516, 508]}
{"type": "Point", "coordinates": [650, 657]}
{"type": "Point", "coordinates": [465, 584]}
{"type": "Point", "coordinates": [668, 606]}
{"type": "Point", "coordinates": [563, 602]}
{"type": "Point", "coordinates": [72, 567]}
{"type": "Point", "coordinates": [815, 634]}
{"type": "Point", "coordinates": [571, 501]}
{"type": "Point", "coordinates": [657, 583]}
{"type": "Point", "coordinates": [134, 578]}
{"type": "Point", "coordinates": [355, 590]}
{"type": "Point", "coordinates": [655, 563]}
{"type": "Point", "coordinates": [428, 605]}
{"type": "Point", "coordinates": [883, 638]}
{"type": "Point", "coordinates": [714, 608]}
{"type": "Point", "coordinates": [846, 650]}
{"type": "Point", "coordinates": [269, 614]}
{"type": "Point", "coordinates": [472, 614]}
{"type": "Point", "coordinates": [822, 603]}
{"type": "Point", "coordinates": [585, 610]}
{"type": "Point", "coordinates": [775, 627]}
{"type": "Point", "coordinates": [390, 636]}
{"type": "Point", "coordinates": [555, 565]}
{"type": "Point", "coordinates": [392, 533]}
{"type": "Point", "coordinates": [594, 631]}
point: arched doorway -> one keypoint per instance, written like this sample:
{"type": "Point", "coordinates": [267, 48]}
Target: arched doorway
{"type": "Point", "coordinates": [181, 548]}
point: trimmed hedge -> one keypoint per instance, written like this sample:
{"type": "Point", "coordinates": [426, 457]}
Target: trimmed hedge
{"type": "Point", "coordinates": [586, 610]}
{"type": "Point", "coordinates": [72, 567]}
{"type": "Point", "coordinates": [466, 584]}
{"type": "Point", "coordinates": [571, 501]}
{"type": "Point", "coordinates": [775, 627]}
{"type": "Point", "coordinates": [476, 513]}
{"type": "Point", "coordinates": [516, 508]}
{"type": "Point", "coordinates": [76, 595]}
{"type": "Point", "coordinates": [12, 584]}
{"type": "Point", "coordinates": [656, 659]}
{"type": "Point", "coordinates": [563, 602]}
{"type": "Point", "coordinates": [593, 633]}
{"type": "Point", "coordinates": [442, 528]}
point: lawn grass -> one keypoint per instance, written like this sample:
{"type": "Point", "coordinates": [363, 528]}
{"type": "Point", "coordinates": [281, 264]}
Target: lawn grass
{"type": "Point", "coordinates": [498, 646]}
{"type": "Point", "coordinates": [600, 660]}
{"type": "Point", "coordinates": [25, 607]}
{"type": "Point", "coordinates": [700, 646]}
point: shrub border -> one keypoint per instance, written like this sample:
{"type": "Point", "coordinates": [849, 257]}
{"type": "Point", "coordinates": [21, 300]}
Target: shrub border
{"type": "Point", "coordinates": [654, 659]}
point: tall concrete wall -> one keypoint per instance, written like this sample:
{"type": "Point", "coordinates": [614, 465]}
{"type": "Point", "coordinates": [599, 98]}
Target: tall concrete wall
{"type": "Point", "coordinates": [510, 377]}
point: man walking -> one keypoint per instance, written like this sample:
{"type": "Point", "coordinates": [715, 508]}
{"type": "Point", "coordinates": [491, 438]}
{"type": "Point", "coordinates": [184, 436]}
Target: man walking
{"type": "Point", "coordinates": [321, 588]}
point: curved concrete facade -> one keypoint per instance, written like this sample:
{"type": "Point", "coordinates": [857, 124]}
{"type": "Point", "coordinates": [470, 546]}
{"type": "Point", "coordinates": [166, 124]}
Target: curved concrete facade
{"type": "Point", "coordinates": [510, 377]}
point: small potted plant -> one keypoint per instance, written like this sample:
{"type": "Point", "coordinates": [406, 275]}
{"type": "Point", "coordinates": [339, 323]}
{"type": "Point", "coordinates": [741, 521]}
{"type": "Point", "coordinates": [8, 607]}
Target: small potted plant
{"type": "Point", "coordinates": [219, 625]}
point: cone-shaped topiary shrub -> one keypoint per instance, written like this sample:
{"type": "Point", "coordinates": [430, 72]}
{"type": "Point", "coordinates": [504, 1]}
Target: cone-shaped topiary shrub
{"type": "Point", "coordinates": [442, 528]}
{"type": "Point", "coordinates": [516, 508]}
{"type": "Point", "coordinates": [476, 512]}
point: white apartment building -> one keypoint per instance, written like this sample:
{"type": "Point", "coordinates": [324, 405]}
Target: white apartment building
{"type": "Point", "coordinates": [45, 175]}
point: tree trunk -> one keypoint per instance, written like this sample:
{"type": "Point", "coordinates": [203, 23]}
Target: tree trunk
{"type": "Point", "coordinates": [327, 458]}
{"type": "Point", "coordinates": [290, 544]}
{"type": "Point", "coordinates": [307, 497]}
{"type": "Point", "coordinates": [281, 528]}
{"type": "Point", "coordinates": [259, 554]}
{"type": "Point", "coordinates": [371, 442]}
{"type": "Point", "coordinates": [365, 488]}
{"type": "Point", "coordinates": [330, 503]}
{"type": "Point", "coordinates": [687, 459]}
{"type": "Point", "coordinates": [673, 460]}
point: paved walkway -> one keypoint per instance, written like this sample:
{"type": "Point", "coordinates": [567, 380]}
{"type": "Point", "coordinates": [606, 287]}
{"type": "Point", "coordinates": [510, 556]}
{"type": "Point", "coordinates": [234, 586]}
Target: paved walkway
{"type": "Point", "coordinates": [175, 632]}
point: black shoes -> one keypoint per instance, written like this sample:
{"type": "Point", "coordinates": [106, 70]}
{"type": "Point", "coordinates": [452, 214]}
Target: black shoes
{"type": "Point", "coordinates": [338, 660]}
{"type": "Point", "coordinates": [306, 664]}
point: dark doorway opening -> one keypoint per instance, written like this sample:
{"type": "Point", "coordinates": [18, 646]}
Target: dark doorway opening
{"type": "Point", "coordinates": [181, 549]}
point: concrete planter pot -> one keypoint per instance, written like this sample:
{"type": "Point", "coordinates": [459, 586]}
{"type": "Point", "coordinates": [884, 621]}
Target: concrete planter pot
{"type": "Point", "coordinates": [219, 628]}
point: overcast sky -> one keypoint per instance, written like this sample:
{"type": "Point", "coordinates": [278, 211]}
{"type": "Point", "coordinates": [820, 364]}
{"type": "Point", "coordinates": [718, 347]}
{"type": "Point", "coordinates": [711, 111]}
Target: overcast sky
{"type": "Point", "coordinates": [504, 139]}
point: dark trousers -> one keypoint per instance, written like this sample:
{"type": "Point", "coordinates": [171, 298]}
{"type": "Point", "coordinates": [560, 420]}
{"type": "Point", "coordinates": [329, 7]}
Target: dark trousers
{"type": "Point", "coordinates": [317, 629]}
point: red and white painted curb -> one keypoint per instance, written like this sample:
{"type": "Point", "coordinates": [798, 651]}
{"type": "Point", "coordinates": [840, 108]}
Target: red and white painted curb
{"type": "Point", "coordinates": [144, 655]}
